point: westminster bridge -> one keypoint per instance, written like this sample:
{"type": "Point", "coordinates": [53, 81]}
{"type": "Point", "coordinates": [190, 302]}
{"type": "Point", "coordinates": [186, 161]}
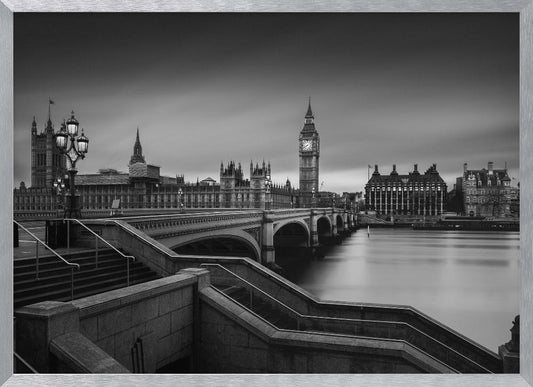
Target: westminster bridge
{"type": "Point", "coordinates": [256, 234]}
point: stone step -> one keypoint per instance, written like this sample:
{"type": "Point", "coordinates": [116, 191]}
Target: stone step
{"type": "Point", "coordinates": [61, 267]}
{"type": "Point", "coordinates": [63, 293]}
{"type": "Point", "coordinates": [80, 279]}
{"type": "Point", "coordinates": [29, 264]}
{"type": "Point", "coordinates": [51, 276]}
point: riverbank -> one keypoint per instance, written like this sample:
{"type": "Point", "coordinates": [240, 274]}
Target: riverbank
{"type": "Point", "coordinates": [469, 225]}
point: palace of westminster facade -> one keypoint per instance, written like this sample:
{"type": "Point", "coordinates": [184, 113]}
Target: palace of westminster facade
{"type": "Point", "coordinates": [144, 187]}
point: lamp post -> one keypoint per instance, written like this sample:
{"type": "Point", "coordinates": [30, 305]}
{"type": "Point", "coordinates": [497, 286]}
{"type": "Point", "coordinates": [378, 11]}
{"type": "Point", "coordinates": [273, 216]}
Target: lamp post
{"type": "Point", "coordinates": [74, 151]}
{"type": "Point", "coordinates": [268, 185]}
{"type": "Point", "coordinates": [313, 197]}
{"type": "Point", "coordinates": [180, 204]}
{"type": "Point", "coordinates": [156, 204]}
{"type": "Point", "coordinates": [59, 185]}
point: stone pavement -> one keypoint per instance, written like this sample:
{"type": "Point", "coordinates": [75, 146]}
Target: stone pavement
{"type": "Point", "coordinates": [27, 248]}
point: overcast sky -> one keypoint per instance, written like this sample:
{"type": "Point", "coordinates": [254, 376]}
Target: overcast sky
{"type": "Point", "coordinates": [204, 88]}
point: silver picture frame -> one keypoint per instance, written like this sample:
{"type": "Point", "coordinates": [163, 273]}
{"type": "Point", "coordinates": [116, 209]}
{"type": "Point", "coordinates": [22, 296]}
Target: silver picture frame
{"type": "Point", "coordinates": [523, 7]}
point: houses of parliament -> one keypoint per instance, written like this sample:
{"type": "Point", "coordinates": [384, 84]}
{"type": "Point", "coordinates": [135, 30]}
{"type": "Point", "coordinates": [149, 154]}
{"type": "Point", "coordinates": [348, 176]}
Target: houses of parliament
{"type": "Point", "coordinates": [144, 187]}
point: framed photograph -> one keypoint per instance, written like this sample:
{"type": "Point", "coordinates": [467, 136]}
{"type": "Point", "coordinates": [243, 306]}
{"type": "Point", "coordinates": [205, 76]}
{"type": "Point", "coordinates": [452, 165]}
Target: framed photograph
{"type": "Point", "coordinates": [424, 123]}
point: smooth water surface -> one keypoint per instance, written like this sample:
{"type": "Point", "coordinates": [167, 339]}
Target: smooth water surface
{"type": "Point", "coordinates": [467, 280]}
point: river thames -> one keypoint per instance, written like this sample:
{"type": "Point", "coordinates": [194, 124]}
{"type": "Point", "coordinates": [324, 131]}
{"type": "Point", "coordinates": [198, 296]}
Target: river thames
{"type": "Point", "coordinates": [469, 281]}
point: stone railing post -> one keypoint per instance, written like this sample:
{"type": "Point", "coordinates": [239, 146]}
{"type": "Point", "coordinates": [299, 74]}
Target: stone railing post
{"type": "Point", "coordinates": [510, 352]}
{"type": "Point", "coordinates": [38, 325]}
{"type": "Point", "coordinates": [204, 280]}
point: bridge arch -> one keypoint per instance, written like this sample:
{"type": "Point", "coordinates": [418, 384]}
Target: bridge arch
{"type": "Point", "coordinates": [237, 244]}
{"type": "Point", "coordinates": [292, 233]}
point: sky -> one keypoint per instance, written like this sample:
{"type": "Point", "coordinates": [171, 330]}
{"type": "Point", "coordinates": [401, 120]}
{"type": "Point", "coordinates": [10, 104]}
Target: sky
{"type": "Point", "coordinates": [209, 88]}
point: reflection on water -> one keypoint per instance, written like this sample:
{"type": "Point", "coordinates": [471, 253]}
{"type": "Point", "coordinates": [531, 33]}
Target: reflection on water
{"type": "Point", "coordinates": [467, 280]}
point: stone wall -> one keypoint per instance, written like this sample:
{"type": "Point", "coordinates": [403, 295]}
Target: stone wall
{"type": "Point", "coordinates": [159, 313]}
{"type": "Point", "coordinates": [233, 340]}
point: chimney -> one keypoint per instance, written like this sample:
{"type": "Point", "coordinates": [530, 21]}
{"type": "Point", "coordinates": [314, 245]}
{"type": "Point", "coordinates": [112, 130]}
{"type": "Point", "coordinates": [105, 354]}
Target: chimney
{"type": "Point", "coordinates": [416, 167]}
{"type": "Point", "coordinates": [394, 167]}
{"type": "Point", "coordinates": [376, 169]}
{"type": "Point", "coordinates": [491, 165]}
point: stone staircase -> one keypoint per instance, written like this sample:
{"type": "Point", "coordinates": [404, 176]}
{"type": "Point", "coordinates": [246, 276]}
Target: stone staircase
{"type": "Point", "coordinates": [54, 280]}
{"type": "Point", "coordinates": [281, 318]}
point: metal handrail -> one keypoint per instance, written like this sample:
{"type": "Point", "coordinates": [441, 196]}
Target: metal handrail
{"type": "Point", "coordinates": [98, 237]}
{"type": "Point", "coordinates": [72, 265]}
{"type": "Point", "coordinates": [341, 319]}
{"type": "Point", "coordinates": [26, 364]}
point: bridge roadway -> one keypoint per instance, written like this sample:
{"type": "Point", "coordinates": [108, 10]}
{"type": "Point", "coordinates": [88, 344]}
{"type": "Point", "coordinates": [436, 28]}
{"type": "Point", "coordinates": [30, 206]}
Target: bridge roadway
{"type": "Point", "coordinates": [258, 231]}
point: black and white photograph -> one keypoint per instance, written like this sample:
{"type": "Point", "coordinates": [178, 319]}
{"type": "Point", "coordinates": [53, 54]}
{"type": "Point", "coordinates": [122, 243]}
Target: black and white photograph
{"type": "Point", "coordinates": [266, 193]}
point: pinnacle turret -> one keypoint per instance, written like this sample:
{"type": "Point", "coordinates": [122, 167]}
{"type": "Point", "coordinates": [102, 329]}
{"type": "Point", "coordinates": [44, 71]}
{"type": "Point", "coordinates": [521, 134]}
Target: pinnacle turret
{"type": "Point", "coordinates": [309, 113]}
{"type": "Point", "coordinates": [137, 156]}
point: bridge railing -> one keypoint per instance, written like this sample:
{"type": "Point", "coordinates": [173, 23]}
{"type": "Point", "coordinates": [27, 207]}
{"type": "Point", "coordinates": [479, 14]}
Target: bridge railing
{"type": "Point", "coordinates": [393, 330]}
{"type": "Point", "coordinates": [167, 261]}
{"type": "Point", "coordinates": [151, 224]}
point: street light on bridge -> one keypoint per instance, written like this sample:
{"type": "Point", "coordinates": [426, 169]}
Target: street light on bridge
{"type": "Point", "coordinates": [180, 203]}
{"type": "Point", "coordinates": [268, 186]}
{"type": "Point", "coordinates": [59, 186]}
{"type": "Point", "coordinates": [76, 150]}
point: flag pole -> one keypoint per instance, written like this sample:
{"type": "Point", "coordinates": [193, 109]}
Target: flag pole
{"type": "Point", "coordinates": [50, 102]}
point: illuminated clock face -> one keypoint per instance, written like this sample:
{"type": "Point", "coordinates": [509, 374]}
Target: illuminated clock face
{"type": "Point", "coordinates": [307, 145]}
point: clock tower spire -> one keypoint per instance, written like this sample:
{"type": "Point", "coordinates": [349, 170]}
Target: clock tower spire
{"type": "Point", "coordinates": [309, 143]}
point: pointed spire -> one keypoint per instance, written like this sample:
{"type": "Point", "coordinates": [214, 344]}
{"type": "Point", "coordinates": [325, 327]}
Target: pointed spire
{"type": "Point", "coordinates": [137, 156]}
{"type": "Point", "coordinates": [34, 126]}
{"type": "Point", "coordinates": [309, 113]}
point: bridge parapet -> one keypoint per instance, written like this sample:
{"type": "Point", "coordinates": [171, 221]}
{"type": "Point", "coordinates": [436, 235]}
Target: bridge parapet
{"type": "Point", "coordinates": [177, 224]}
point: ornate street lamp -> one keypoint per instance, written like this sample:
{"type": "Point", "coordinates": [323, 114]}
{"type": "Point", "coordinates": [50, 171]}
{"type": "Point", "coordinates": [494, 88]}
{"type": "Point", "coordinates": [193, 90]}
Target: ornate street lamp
{"type": "Point", "coordinates": [313, 197]}
{"type": "Point", "coordinates": [76, 150]}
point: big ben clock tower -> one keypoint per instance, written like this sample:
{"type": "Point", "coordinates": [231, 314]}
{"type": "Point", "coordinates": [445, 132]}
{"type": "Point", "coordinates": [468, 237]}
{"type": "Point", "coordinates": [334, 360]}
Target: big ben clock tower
{"type": "Point", "coordinates": [309, 143]}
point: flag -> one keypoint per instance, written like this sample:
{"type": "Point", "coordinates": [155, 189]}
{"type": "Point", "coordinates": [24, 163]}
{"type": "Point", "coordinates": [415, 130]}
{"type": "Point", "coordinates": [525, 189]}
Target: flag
{"type": "Point", "coordinates": [50, 101]}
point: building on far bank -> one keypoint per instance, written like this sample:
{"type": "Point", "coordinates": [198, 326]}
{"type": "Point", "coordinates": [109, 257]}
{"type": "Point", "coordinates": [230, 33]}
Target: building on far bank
{"type": "Point", "coordinates": [238, 192]}
{"type": "Point", "coordinates": [47, 162]}
{"type": "Point", "coordinates": [309, 155]}
{"type": "Point", "coordinates": [411, 194]}
{"type": "Point", "coordinates": [143, 186]}
{"type": "Point", "coordinates": [488, 192]}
